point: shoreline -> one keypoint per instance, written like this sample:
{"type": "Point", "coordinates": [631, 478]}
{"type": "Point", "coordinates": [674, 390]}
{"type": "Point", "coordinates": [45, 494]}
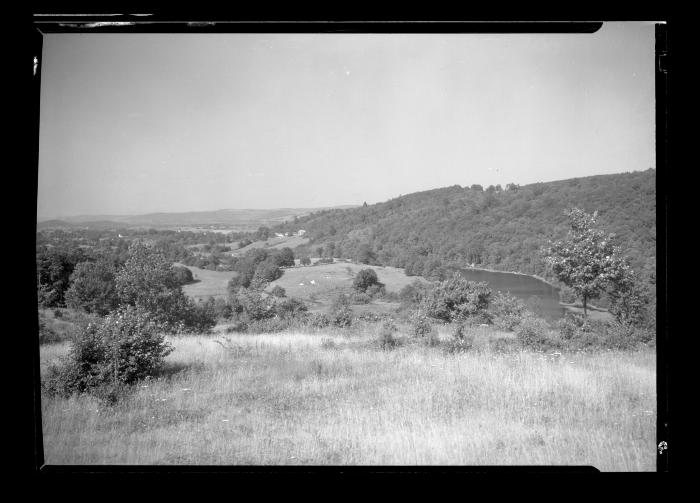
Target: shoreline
{"type": "Point", "coordinates": [510, 272]}
{"type": "Point", "coordinates": [569, 307]}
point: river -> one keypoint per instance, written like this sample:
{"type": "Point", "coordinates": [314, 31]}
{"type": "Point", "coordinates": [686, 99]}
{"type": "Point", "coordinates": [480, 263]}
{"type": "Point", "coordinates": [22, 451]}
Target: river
{"type": "Point", "coordinates": [541, 297]}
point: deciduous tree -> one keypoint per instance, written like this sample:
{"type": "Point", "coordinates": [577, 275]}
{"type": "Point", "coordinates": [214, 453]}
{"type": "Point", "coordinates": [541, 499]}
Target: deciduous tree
{"type": "Point", "coordinates": [587, 260]}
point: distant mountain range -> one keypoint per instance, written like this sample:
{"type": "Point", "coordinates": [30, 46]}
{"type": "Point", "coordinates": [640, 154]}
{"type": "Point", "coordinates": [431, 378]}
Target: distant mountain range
{"type": "Point", "coordinates": [243, 219]}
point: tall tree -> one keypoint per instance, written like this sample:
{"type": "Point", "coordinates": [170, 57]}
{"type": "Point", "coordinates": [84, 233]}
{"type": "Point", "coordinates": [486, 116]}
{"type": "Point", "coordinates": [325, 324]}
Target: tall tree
{"type": "Point", "coordinates": [93, 287]}
{"type": "Point", "coordinates": [587, 260]}
{"type": "Point", "coordinates": [147, 281]}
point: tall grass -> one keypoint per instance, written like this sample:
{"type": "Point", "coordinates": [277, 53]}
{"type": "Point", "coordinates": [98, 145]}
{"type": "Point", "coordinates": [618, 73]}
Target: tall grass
{"type": "Point", "coordinates": [300, 398]}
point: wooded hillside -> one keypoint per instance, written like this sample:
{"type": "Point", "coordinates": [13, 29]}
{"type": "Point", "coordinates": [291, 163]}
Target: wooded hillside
{"type": "Point", "coordinates": [497, 228]}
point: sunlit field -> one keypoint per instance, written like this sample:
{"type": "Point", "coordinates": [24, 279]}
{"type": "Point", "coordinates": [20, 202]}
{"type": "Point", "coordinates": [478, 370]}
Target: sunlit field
{"type": "Point", "coordinates": [315, 399]}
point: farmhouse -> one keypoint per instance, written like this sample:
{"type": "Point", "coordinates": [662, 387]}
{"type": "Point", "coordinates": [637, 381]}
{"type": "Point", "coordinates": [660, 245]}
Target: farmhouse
{"type": "Point", "coordinates": [301, 232]}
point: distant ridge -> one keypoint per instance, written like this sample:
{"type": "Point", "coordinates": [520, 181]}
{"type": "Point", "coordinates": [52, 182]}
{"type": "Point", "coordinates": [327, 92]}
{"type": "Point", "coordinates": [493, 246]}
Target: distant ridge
{"type": "Point", "coordinates": [238, 218]}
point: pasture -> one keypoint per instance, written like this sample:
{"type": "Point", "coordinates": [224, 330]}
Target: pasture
{"type": "Point", "coordinates": [207, 283]}
{"type": "Point", "coordinates": [335, 398]}
{"type": "Point", "coordinates": [319, 284]}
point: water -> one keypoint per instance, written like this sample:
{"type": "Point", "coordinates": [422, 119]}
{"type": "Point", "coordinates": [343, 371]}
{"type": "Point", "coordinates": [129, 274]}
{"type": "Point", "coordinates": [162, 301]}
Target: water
{"type": "Point", "coordinates": [541, 298]}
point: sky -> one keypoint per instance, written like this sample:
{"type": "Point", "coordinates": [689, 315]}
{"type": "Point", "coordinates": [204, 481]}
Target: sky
{"type": "Point", "coordinates": [141, 123]}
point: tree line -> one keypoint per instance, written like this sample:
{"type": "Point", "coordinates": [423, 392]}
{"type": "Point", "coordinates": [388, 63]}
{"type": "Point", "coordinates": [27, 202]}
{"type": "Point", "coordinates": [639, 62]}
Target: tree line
{"type": "Point", "coordinates": [428, 233]}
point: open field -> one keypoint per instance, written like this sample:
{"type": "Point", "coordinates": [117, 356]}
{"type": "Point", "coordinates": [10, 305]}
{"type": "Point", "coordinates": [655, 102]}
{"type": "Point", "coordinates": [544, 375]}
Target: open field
{"type": "Point", "coordinates": [209, 284]}
{"type": "Point", "coordinates": [331, 279]}
{"type": "Point", "coordinates": [303, 398]}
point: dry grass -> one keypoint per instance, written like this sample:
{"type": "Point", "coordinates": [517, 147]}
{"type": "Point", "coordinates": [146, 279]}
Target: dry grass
{"type": "Point", "coordinates": [331, 399]}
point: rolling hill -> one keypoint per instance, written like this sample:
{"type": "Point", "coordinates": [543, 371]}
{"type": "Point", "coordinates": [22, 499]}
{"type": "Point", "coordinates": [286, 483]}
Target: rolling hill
{"type": "Point", "coordinates": [490, 228]}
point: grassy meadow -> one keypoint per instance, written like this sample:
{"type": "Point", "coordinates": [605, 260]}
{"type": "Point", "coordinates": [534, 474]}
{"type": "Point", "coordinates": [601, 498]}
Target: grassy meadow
{"type": "Point", "coordinates": [207, 283]}
{"type": "Point", "coordinates": [331, 279]}
{"type": "Point", "coordinates": [336, 398]}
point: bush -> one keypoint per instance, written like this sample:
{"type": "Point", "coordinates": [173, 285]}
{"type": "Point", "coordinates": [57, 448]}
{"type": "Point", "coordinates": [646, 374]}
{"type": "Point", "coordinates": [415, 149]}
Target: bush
{"type": "Point", "coordinates": [457, 299]}
{"type": "Point", "coordinates": [413, 293]}
{"type": "Point", "coordinates": [386, 334]}
{"type": "Point", "coordinates": [340, 312]}
{"type": "Point", "coordinates": [533, 332]}
{"type": "Point", "coordinates": [319, 320]}
{"type": "Point", "coordinates": [506, 311]}
{"type": "Point", "coordinates": [461, 341]}
{"type": "Point", "coordinates": [93, 287]}
{"type": "Point", "coordinates": [360, 298]}
{"type": "Point", "coordinates": [284, 257]}
{"type": "Point", "coordinates": [278, 291]}
{"type": "Point", "coordinates": [364, 279]}
{"type": "Point", "coordinates": [222, 309]}
{"type": "Point", "coordinates": [376, 290]}
{"type": "Point", "coordinates": [124, 347]}
{"type": "Point", "coordinates": [420, 324]}
{"type": "Point", "coordinates": [183, 275]}
{"type": "Point", "coordinates": [198, 318]}
{"type": "Point", "coordinates": [291, 309]}
{"type": "Point", "coordinates": [569, 326]}
{"type": "Point", "coordinates": [305, 260]}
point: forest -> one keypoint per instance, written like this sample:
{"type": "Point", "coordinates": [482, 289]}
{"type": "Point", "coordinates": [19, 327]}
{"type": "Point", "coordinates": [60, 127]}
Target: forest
{"type": "Point", "coordinates": [496, 228]}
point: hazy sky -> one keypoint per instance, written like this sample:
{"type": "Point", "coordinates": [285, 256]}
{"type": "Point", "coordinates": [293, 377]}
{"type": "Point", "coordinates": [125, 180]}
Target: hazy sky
{"type": "Point", "coordinates": [138, 123]}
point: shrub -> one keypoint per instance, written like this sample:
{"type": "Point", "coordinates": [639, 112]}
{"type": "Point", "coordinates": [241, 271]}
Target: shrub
{"type": "Point", "coordinates": [364, 279]}
{"type": "Point", "coordinates": [375, 290]}
{"type": "Point", "coordinates": [533, 332]}
{"type": "Point", "coordinates": [124, 347]}
{"type": "Point", "coordinates": [360, 298]}
{"type": "Point", "coordinates": [413, 293]}
{"type": "Point", "coordinates": [386, 334]}
{"type": "Point", "coordinates": [266, 272]}
{"type": "Point", "coordinates": [284, 257]}
{"type": "Point", "coordinates": [183, 275]}
{"type": "Point", "coordinates": [222, 309]}
{"type": "Point", "coordinates": [93, 287]}
{"type": "Point", "coordinates": [340, 312]}
{"type": "Point", "coordinates": [506, 311]}
{"type": "Point", "coordinates": [569, 326]}
{"type": "Point", "coordinates": [278, 291]}
{"type": "Point", "coordinates": [57, 313]}
{"type": "Point", "coordinates": [291, 308]}
{"type": "Point", "coordinates": [319, 320]}
{"type": "Point", "coordinates": [420, 325]}
{"type": "Point", "coordinates": [457, 299]}
{"type": "Point", "coordinates": [305, 260]}
{"type": "Point", "coordinates": [198, 318]}
{"type": "Point", "coordinates": [461, 341]}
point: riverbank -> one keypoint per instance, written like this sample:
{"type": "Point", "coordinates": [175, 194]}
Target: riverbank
{"type": "Point", "coordinates": [596, 311]}
{"type": "Point", "coordinates": [513, 272]}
